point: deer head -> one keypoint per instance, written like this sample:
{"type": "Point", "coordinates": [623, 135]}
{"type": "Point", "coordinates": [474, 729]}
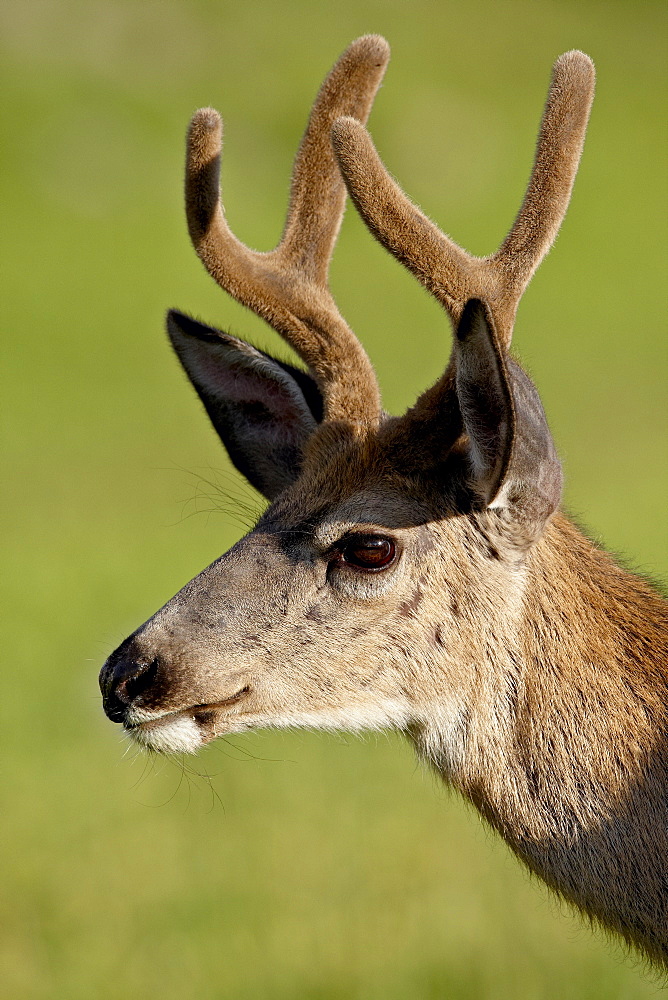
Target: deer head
{"type": "Point", "coordinates": [384, 584]}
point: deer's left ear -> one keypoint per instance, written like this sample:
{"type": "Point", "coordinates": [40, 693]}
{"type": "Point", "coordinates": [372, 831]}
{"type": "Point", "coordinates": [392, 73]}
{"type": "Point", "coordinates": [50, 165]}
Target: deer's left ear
{"type": "Point", "coordinates": [262, 409]}
{"type": "Point", "coordinates": [513, 463]}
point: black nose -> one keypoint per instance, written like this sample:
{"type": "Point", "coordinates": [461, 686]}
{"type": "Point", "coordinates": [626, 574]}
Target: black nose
{"type": "Point", "coordinates": [123, 678]}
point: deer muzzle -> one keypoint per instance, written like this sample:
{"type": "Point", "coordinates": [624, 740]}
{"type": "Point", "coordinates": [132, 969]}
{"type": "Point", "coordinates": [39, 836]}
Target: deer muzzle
{"type": "Point", "coordinates": [141, 692]}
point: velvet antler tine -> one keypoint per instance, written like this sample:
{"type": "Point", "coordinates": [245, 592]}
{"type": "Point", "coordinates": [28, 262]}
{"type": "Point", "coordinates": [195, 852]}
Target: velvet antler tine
{"type": "Point", "coordinates": [288, 285]}
{"type": "Point", "coordinates": [220, 252]}
{"type": "Point", "coordinates": [560, 142]}
{"type": "Point", "coordinates": [317, 196]}
{"type": "Point", "coordinates": [435, 260]}
{"type": "Point", "coordinates": [449, 272]}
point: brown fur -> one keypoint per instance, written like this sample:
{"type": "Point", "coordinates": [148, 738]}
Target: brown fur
{"type": "Point", "coordinates": [522, 662]}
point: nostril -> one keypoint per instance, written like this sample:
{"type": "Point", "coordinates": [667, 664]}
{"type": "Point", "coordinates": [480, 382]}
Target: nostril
{"type": "Point", "coordinates": [137, 682]}
{"type": "Point", "coordinates": [124, 678]}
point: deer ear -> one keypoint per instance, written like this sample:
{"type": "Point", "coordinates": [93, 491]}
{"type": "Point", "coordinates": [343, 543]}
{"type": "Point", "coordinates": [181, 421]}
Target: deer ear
{"type": "Point", "coordinates": [485, 400]}
{"type": "Point", "coordinates": [262, 409]}
{"type": "Point", "coordinates": [513, 462]}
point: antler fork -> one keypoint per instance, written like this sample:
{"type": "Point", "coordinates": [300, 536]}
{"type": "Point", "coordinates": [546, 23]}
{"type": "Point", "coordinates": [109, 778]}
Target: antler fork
{"type": "Point", "coordinates": [288, 286]}
{"type": "Point", "coordinates": [449, 272]}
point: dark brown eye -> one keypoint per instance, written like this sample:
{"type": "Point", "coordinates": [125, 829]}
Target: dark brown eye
{"type": "Point", "coordinates": [369, 552]}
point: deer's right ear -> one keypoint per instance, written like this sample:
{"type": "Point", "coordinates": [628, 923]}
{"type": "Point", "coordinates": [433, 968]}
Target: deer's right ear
{"type": "Point", "coordinates": [485, 400]}
{"type": "Point", "coordinates": [262, 409]}
{"type": "Point", "coordinates": [513, 462]}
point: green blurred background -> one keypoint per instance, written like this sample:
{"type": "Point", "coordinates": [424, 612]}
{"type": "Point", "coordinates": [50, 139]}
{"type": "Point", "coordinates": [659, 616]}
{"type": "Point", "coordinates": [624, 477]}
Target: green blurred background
{"type": "Point", "coordinates": [282, 865]}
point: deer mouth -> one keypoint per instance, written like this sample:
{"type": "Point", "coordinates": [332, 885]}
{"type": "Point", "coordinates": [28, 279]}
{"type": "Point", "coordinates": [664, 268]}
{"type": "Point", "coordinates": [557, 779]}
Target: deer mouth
{"type": "Point", "coordinates": [183, 731]}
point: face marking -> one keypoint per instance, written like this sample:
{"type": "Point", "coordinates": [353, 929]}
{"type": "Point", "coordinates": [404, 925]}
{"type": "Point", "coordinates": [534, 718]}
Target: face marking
{"type": "Point", "coordinates": [409, 608]}
{"type": "Point", "coordinates": [437, 637]}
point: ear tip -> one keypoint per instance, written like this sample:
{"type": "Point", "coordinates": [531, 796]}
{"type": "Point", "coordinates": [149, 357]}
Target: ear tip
{"type": "Point", "coordinates": [176, 321]}
{"type": "Point", "coordinates": [180, 325]}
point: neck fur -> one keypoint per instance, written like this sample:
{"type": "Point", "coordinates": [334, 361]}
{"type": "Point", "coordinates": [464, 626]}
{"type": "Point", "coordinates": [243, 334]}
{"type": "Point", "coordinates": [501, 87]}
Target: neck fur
{"type": "Point", "coordinates": [568, 759]}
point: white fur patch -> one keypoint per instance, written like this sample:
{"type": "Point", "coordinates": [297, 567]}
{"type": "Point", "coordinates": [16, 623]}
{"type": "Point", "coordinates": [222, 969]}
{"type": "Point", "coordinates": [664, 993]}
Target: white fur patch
{"type": "Point", "coordinates": [385, 714]}
{"type": "Point", "coordinates": [173, 734]}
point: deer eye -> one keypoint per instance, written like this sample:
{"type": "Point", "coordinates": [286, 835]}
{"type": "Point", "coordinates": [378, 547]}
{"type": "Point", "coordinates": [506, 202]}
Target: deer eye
{"type": "Point", "coordinates": [369, 552]}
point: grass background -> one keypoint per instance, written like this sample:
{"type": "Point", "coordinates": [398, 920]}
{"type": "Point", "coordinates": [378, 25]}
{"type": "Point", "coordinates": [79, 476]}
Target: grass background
{"type": "Point", "coordinates": [285, 865]}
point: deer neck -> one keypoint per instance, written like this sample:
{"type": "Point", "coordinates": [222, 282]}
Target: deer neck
{"type": "Point", "coordinates": [564, 751]}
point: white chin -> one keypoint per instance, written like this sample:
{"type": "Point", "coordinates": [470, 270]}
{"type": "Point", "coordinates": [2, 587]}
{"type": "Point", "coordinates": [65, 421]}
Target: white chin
{"type": "Point", "coordinates": [175, 734]}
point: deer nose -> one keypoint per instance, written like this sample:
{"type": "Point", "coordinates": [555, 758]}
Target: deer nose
{"type": "Point", "coordinates": [123, 678]}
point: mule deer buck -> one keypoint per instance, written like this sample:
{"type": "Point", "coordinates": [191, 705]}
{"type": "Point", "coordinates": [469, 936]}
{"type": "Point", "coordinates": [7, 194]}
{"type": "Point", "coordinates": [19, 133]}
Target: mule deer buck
{"type": "Point", "coordinates": [415, 572]}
